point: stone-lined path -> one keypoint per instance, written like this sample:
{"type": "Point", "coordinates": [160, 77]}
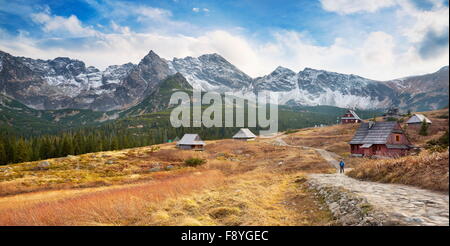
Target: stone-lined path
{"type": "Point", "coordinates": [405, 204]}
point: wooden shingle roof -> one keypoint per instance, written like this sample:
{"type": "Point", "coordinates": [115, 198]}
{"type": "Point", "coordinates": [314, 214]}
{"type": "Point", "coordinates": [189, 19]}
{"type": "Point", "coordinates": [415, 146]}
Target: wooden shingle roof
{"type": "Point", "coordinates": [191, 139]}
{"type": "Point", "coordinates": [244, 133]}
{"type": "Point", "coordinates": [377, 134]}
{"type": "Point", "coordinates": [418, 118]}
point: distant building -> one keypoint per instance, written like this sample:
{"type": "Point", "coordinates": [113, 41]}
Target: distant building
{"type": "Point", "coordinates": [191, 141]}
{"type": "Point", "coordinates": [350, 117]}
{"type": "Point", "coordinates": [244, 134]}
{"type": "Point", "coordinates": [417, 119]}
{"type": "Point", "coordinates": [380, 139]}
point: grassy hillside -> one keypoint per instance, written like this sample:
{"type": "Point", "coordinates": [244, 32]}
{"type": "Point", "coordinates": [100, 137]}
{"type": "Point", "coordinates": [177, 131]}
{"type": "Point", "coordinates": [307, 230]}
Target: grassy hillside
{"type": "Point", "coordinates": [428, 170]}
{"type": "Point", "coordinates": [250, 183]}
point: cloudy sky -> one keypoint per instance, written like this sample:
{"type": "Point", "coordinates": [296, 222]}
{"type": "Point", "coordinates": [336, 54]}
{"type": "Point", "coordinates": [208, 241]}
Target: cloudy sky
{"type": "Point", "coordinates": [378, 39]}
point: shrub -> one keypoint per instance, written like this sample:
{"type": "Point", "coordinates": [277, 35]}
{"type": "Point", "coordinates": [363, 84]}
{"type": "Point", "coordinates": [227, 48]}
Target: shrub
{"type": "Point", "coordinates": [289, 131]}
{"type": "Point", "coordinates": [438, 145]}
{"type": "Point", "coordinates": [193, 162]}
{"type": "Point", "coordinates": [424, 128]}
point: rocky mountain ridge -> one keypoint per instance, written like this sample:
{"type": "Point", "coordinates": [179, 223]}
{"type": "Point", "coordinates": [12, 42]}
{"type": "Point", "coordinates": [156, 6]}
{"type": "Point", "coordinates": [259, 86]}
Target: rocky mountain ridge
{"type": "Point", "coordinates": [67, 83]}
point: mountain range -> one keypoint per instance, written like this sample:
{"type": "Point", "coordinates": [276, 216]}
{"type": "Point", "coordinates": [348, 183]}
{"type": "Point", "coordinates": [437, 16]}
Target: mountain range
{"type": "Point", "coordinates": [64, 83]}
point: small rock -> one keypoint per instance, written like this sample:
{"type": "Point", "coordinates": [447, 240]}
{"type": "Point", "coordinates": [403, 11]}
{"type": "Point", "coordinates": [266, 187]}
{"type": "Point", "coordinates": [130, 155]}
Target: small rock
{"type": "Point", "coordinates": [109, 162]}
{"type": "Point", "coordinates": [154, 169]}
{"type": "Point", "coordinates": [419, 220]}
{"type": "Point", "coordinates": [5, 169]}
{"type": "Point", "coordinates": [44, 164]}
{"type": "Point", "coordinates": [169, 167]}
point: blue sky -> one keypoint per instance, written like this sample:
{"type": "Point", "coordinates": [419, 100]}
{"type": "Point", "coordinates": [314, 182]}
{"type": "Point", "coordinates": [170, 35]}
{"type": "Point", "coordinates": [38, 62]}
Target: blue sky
{"type": "Point", "coordinates": [381, 39]}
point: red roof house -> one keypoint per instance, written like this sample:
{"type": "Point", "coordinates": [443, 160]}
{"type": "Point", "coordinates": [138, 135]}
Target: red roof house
{"type": "Point", "coordinates": [380, 139]}
{"type": "Point", "coordinates": [350, 117]}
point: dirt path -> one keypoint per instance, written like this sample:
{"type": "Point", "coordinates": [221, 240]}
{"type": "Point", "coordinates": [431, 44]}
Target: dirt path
{"type": "Point", "coordinates": [407, 204]}
{"type": "Point", "coordinates": [330, 157]}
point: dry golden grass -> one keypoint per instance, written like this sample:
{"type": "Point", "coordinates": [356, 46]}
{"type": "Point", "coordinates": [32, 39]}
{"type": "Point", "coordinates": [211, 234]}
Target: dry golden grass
{"type": "Point", "coordinates": [427, 170]}
{"type": "Point", "coordinates": [332, 138]}
{"type": "Point", "coordinates": [242, 183]}
{"type": "Point", "coordinates": [436, 129]}
{"type": "Point", "coordinates": [255, 198]}
{"type": "Point", "coordinates": [120, 206]}
{"type": "Point", "coordinates": [93, 170]}
{"type": "Point", "coordinates": [261, 176]}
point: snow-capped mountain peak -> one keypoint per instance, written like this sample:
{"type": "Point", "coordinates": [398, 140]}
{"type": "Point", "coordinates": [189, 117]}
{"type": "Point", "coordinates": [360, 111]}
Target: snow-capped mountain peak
{"type": "Point", "coordinates": [68, 83]}
{"type": "Point", "coordinates": [210, 72]}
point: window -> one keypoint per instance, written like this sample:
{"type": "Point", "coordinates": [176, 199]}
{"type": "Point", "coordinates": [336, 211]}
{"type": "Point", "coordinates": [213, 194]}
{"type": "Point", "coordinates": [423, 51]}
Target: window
{"type": "Point", "coordinates": [397, 138]}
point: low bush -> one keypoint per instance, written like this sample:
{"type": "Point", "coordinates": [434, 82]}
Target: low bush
{"type": "Point", "coordinates": [438, 145]}
{"type": "Point", "coordinates": [290, 131]}
{"type": "Point", "coordinates": [193, 162]}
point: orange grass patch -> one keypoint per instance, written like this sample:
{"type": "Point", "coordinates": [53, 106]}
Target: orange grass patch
{"type": "Point", "coordinates": [123, 206]}
{"type": "Point", "coordinates": [427, 170]}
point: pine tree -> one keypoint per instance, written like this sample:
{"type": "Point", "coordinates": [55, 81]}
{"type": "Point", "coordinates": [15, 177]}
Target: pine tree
{"type": "Point", "coordinates": [23, 151]}
{"type": "Point", "coordinates": [67, 146]}
{"type": "Point", "coordinates": [424, 128]}
{"type": "Point", "coordinates": [3, 158]}
{"type": "Point", "coordinates": [114, 143]}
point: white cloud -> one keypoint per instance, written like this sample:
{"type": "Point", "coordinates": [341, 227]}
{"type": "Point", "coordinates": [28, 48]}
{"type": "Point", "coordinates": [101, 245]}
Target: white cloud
{"type": "Point", "coordinates": [152, 13]}
{"type": "Point", "coordinates": [416, 23]}
{"type": "Point", "coordinates": [197, 10]}
{"type": "Point", "coordinates": [60, 24]}
{"type": "Point", "coordinates": [355, 6]}
{"type": "Point", "coordinates": [378, 55]}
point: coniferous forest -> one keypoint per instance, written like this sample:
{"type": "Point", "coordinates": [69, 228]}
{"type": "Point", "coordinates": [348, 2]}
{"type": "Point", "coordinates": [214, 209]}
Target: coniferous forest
{"type": "Point", "coordinates": [129, 132]}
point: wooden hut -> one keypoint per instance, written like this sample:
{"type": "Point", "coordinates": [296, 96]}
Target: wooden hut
{"type": "Point", "coordinates": [191, 141]}
{"type": "Point", "coordinates": [244, 134]}
{"type": "Point", "coordinates": [380, 139]}
{"type": "Point", "coordinates": [350, 117]}
{"type": "Point", "coordinates": [418, 119]}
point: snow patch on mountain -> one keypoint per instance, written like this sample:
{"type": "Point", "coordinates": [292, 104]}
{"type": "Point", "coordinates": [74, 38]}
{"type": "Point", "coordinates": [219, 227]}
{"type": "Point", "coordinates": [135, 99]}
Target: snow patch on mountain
{"type": "Point", "coordinates": [210, 72]}
{"type": "Point", "coordinates": [281, 79]}
{"type": "Point", "coordinates": [116, 73]}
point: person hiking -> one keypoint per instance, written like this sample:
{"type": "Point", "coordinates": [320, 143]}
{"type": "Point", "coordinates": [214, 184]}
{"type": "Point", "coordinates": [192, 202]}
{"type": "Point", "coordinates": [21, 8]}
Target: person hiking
{"type": "Point", "coordinates": [341, 166]}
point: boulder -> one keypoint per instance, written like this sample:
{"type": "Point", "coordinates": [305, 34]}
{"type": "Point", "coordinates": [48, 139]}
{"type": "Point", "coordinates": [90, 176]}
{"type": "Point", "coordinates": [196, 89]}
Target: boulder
{"type": "Point", "coordinates": [44, 164]}
{"type": "Point", "coordinates": [109, 162]}
{"type": "Point", "coordinates": [154, 169]}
